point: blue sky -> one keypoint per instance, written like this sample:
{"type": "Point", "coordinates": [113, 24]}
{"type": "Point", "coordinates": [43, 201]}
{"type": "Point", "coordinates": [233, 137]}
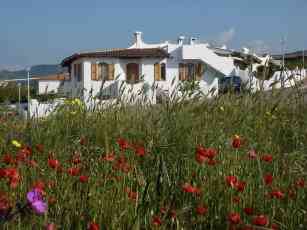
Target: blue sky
{"type": "Point", "coordinates": [45, 31]}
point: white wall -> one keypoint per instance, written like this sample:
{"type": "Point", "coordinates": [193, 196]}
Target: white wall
{"type": "Point", "coordinates": [43, 109]}
{"type": "Point", "coordinates": [45, 86]}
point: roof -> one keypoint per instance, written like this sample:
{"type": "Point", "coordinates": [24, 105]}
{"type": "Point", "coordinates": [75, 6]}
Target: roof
{"type": "Point", "coordinates": [292, 55]}
{"type": "Point", "coordinates": [53, 77]}
{"type": "Point", "coordinates": [119, 53]}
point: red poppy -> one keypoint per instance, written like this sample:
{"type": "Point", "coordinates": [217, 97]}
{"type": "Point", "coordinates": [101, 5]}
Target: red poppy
{"type": "Point", "coordinates": [8, 159]}
{"type": "Point", "coordinates": [188, 188]}
{"type": "Point", "coordinates": [39, 148]}
{"type": "Point", "coordinates": [252, 154]}
{"type": "Point", "coordinates": [156, 221]}
{"type": "Point", "coordinates": [123, 144]}
{"type": "Point", "coordinates": [93, 226]}
{"type": "Point", "coordinates": [211, 153]}
{"type": "Point", "coordinates": [121, 164]}
{"type": "Point", "coordinates": [248, 211]}
{"type": "Point", "coordinates": [267, 158]}
{"type": "Point", "coordinates": [268, 179]}
{"type": "Point", "coordinates": [200, 158]}
{"type": "Point", "coordinates": [203, 155]}
{"type": "Point", "coordinates": [131, 194]}
{"type": "Point", "coordinates": [109, 157]}
{"type": "Point", "coordinates": [236, 142]}
{"type": "Point", "coordinates": [53, 163]}
{"type": "Point", "coordinates": [277, 194]}
{"type": "Point", "coordinates": [232, 181]}
{"type": "Point", "coordinates": [83, 179]}
{"type": "Point", "coordinates": [73, 171]}
{"type": "Point", "coordinates": [13, 176]}
{"type": "Point", "coordinates": [39, 185]}
{"type": "Point", "coordinates": [300, 183]}
{"type": "Point", "coordinates": [260, 220]}
{"type": "Point", "coordinates": [139, 151]}
{"type": "Point", "coordinates": [201, 210]}
{"type": "Point", "coordinates": [5, 204]}
{"type": "Point", "coordinates": [212, 162]}
{"type": "Point", "coordinates": [234, 218]}
{"type": "Point", "coordinates": [240, 186]}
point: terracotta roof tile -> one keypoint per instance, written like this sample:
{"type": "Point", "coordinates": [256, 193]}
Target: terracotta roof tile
{"type": "Point", "coordinates": [119, 53]}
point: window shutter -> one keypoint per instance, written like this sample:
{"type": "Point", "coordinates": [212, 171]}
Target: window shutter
{"type": "Point", "coordinates": [80, 72]}
{"type": "Point", "coordinates": [157, 72]}
{"type": "Point", "coordinates": [182, 72]}
{"type": "Point", "coordinates": [200, 69]}
{"type": "Point", "coordinates": [94, 72]}
{"type": "Point", "coordinates": [111, 70]}
{"type": "Point", "coordinates": [99, 72]}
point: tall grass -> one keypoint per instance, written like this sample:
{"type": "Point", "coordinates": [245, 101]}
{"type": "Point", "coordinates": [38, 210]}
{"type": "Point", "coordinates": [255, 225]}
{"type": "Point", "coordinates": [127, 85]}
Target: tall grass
{"type": "Point", "coordinates": [170, 132]}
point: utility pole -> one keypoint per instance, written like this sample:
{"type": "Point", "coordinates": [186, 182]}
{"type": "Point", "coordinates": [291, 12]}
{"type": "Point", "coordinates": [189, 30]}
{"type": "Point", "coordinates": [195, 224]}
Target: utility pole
{"type": "Point", "coordinates": [304, 72]}
{"type": "Point", "coordinates": [19, 97]}
{"type": "Point", "coordinates": [28, 111]}
{"type": "Point", "coordinates": [283, 41]}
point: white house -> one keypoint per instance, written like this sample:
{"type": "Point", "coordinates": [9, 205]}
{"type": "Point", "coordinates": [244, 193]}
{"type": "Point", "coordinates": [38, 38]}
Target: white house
{"type": "Point", "coordinates": [51, 83]}
{"type": "Point", "coordinates": [146, 69]}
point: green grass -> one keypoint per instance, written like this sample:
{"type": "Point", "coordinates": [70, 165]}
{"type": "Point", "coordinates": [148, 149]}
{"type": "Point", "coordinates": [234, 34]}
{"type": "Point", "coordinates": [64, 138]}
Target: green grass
{"type": "Point", "coordinates": [170, 134]}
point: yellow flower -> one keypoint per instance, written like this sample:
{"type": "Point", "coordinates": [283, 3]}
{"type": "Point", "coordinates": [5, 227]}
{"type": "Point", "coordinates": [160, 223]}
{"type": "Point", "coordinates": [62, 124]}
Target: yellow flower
{"type": "Point", "coordinates": [222, 108]}
{"type": "Point", "coordinates": [16, 143]}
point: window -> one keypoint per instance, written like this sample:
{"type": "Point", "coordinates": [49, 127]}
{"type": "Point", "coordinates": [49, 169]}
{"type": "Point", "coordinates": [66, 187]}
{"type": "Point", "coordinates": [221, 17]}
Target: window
{"type": "Point", "coordinates": [78, 71]}
{"type": "Point", "coordinates": [191, 71]}
{"type": "Point", "coordinates": [160, 72]}
{"type": "Point", "coordinates": [132, 72]}
{"type": "Point", "coordinates": [102, 71]}
{"type": "Point", "coordinates": [163, 72]}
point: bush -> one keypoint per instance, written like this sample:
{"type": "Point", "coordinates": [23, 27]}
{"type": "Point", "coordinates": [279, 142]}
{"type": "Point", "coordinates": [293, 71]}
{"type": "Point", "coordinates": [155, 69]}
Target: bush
{"type": "Point", "coordinates": [10, 93]}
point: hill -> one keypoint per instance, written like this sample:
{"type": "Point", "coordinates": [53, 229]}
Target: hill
{"type": "Point", "coordinates": [35, 71]}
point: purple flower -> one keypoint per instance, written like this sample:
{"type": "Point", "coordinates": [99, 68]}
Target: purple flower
{"type": "Point", "coordinates": [39, 207]}
{"type": "Point", "coordinates": [36, 201]}
{"type": "Point", "coordinates": [34, 195]}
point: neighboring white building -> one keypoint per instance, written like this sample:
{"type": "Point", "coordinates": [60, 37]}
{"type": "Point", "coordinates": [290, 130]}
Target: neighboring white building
{"type": "Point", "coordinates": [51, 83]}
{"type": "Point", "coordinates": [146, 69]}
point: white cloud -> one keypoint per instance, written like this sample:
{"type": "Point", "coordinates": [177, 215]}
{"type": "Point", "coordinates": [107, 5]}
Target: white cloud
{"type": "Point", "coordinates": [225, 37]}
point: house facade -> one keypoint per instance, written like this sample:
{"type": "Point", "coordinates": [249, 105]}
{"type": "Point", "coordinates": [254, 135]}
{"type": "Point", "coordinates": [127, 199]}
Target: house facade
{"type": "Point", "coordinates": [52, 83]}
{"type": "Point", "coordinates": [146, 69]}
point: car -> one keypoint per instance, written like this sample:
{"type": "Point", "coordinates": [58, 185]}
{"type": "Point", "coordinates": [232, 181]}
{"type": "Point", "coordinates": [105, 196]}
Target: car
{"type": "Point", "coordinates": [230, 84]}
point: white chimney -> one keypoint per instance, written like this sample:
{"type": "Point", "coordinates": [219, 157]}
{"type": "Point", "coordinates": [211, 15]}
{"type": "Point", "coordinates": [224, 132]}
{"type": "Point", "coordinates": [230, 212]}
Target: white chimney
{"type": "Point", "coordinates": [138, 39]}
{"type": "Point", "coordinates": [245, 50]}
{"type": "Point", "coordinates": [192, 40]}
{"type": "Point", "coordinates": [180, 40]}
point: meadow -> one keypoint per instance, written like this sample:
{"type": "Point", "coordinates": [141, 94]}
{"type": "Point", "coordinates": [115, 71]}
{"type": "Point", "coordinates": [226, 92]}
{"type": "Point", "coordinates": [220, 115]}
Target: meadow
{"type": "Point", "coordinates": [235, 162]}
